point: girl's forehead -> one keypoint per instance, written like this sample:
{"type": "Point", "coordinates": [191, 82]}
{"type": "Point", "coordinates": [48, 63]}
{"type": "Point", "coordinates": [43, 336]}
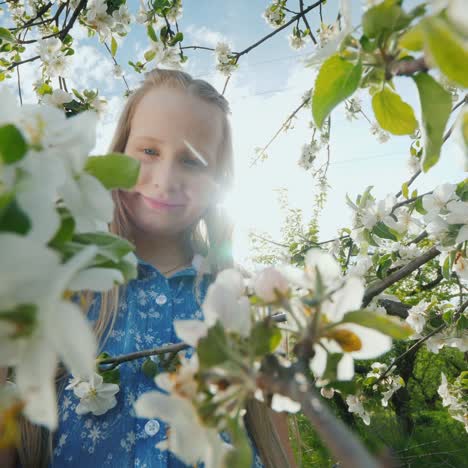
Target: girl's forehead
{"type": "Point", "coordinates": [173, 115]}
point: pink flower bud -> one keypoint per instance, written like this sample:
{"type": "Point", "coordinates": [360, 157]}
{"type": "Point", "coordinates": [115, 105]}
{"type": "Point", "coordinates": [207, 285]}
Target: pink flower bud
{"type": "Point", "coordinates": [267, 281]}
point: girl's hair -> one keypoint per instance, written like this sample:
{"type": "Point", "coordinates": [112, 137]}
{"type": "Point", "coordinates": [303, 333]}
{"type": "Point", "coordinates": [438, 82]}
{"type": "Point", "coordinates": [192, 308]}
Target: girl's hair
{"type": "Point", "coordinates": [210, 237]}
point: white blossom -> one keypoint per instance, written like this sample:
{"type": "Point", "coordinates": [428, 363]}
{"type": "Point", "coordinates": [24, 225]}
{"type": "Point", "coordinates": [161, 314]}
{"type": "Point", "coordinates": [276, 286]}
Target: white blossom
{"type": "Point", "coordinates": [123, 19]}
{"type": "Point", "coordinates": [436, 201]}
{"type": "Point", "coordinates": [355, 406]}
{"type": "Point", "coordinates": [32, 274]}
{"type": "Point", "coordinates": [274, 15]}
{"type": "Point", "coordinates": [57, 98]}
{"type": "Point", "coordinates": [224, 301]}
{"type": "Point", "coordinates": [97, 18]}
{"type": "Point", "coordinates": [95, 396]}
{"type": "Point", "coordinates": [297, 41]}
{"type": "Point", "coordinates": [308, 154]}
{"type": "Point", "coordinates": [417, 316]}
{"type": "Point", "coordinates": [189, 439]}
{"type": "Point", "coordinates": [225, 62]}
{"type": "Point", "coordinates": [332, 36]}
{"type": "Point", "coordinates": [381, 135]}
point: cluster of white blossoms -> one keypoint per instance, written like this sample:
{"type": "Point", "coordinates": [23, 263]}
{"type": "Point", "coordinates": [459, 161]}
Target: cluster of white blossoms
{"type": "Point", "coordinates": [381, 135]}
{"type": "Point", "coordinates": [355, 405]}
{"type": "Point", "coordinates": [46, 163]}
{"type": "Point", "coordinates": [309, 153]}
{"type": "Point", "coordinates": [104, 24]}
{"type": "Point", "coordinates": [387, 385]}
{"type": "Point", "coordinates": [54, 60]}
{"type": "Point", "coordinates": [331, 36]}
{"type": "Point", "coordinates": [454, 396]}
{"type": "Point", "coordinates": [297, 40]}
{"type": "Point", "coordinates": [226, 62]}
{"type": "Point", "coordinates": [228, 312]}
{"type": "Point", "coordinates": [175, 13]}
{"type": "Point", "coordinates": [274, 15]}
{"type": "Point", "coordinates": [57, 99]}
{"type": "Point", "coordinates": [447, 215]}
{"type": "Point", "coordinates": [353, 107]}
{"type": "Point", "coordinates": [161, 54]}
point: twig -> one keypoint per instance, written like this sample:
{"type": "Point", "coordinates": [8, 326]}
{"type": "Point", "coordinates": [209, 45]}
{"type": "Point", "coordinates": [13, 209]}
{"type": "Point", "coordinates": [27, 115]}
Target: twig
{"type": "Point", "coordinates": [283, 126]}
{"type": "Point", "coordinates": [341, 441]}
{"type": "Point", "coordinates": [304, 18]}
{"type": "Point", "coordinates": [112, 362]}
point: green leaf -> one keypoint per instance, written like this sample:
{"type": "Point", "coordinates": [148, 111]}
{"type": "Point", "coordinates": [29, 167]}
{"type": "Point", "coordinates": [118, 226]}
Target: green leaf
{"type": "Point", "coordinates": [336, 80]}
{"type": "Point", "coordinates": [446, 50]}
{"type": "Point", "coordinates": [111, 376]}
{"type": "Point", "coordinates": [384, 18]}
{"type": "Point", "coordinates": [177, 38]}
{"type": "Point", "coordinates": [393, 114]}
{"type": "Point", "coordinates": [65, 231]}
{"type": "Point", "coordinates": [114, 170]}
{"type": "Point", "coordinates": [13, 219]}
{"type": "Point", "coordinates": [462, 187]}
{"type": "Point", "coordinates": [346, 387]}
{"type": "Point", "coordinates": [6, 35]}
{"type": "Point", "coordinates": [388, 325]}
{"type": "Point", "coordinates": [436, 106]}
{"type": "Point", "coordinates": [404, 190]}
{"type": "Point", "coordinates": [149, 368]}
{"type": "Point", "coordinates": [149, 55]}
{"type": "Point", "coordinates": [212, 349]}
{"type": "Point", "coordinates": [111, 247]}
{"type": "Point", "coordinates": [13, 147]}
{"type": "Point", "coordinates": [114, 46]}
{"type": "Point", "coordinates": [152, 35]}
{"type": "Point", "coordinates": [265, 337]}
{"type": "Point", "coordinates": [383, 231]}
{"type": "Point", "coordinates": [332, 366]}
{"type": "Point", "coordinates": [412, 39]}
{"type": "Point", "coordinates": [418, 205]}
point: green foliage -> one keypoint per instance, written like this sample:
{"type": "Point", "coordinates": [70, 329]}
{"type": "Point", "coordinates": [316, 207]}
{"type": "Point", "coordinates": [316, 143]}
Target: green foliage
{"type": "Point", "coordinates": [114, 170]}
{"type": "Point", "coordinates": [384, 18]}
{"type": "Point", "coordinates": [392, 113]}
{"type": "Point", "coordinates": [266, 337]}
{"type": "Point", "coordinates": [13, 147]}
{"type": "Point", "coordinates": [337, 79]}
{"type": "Point", "coordinates": [212, 349]}
{"type": "Point", "coordinates": [446, 49]}
{"type": "Point", "coordinates": [383, 323]}
{"type": "Point", "coordinates": [436, 105]}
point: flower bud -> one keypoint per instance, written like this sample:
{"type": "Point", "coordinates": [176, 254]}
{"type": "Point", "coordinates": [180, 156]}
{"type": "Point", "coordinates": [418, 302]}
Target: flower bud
{"type": "Point", "coordinates": [267, 281]}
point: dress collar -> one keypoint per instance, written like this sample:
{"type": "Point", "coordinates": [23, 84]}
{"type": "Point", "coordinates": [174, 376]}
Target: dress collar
{"type": "Point", "coordinates": [146, 270]}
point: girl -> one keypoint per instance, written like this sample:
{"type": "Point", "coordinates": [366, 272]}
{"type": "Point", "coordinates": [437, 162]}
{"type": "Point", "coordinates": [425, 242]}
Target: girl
{"type": "Point", "coordinates": [178, 128]}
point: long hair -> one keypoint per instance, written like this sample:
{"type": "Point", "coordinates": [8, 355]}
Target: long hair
{"type": "Point", "coordinates": [211, 237]}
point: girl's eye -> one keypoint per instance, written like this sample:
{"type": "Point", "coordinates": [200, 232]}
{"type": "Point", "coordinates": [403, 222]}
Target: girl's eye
{"type": "Point", "coordinates": [191, 162]}
{"type": "Point", "coordinates": [149, 151]}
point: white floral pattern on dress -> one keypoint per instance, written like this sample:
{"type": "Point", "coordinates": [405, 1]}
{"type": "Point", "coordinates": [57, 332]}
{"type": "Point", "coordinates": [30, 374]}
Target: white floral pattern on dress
{"type": "Point", "coordinates": [144, 320]}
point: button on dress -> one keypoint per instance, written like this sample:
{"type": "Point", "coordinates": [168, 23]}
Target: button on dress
{"type": "Point", "coordinates": [145, 320]}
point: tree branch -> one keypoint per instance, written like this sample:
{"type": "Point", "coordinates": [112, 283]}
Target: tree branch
{"type": "Point", "coordinates": [376, 288]}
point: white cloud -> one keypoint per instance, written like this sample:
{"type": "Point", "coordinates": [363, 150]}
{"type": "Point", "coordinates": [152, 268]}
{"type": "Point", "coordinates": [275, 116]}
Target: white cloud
{"type": "Point", "coordinates": [203, 36]}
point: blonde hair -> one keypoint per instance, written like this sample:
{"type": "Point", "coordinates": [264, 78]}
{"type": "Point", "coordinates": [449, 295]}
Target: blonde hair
{"type": "Point", "coordinates": [211, 237]}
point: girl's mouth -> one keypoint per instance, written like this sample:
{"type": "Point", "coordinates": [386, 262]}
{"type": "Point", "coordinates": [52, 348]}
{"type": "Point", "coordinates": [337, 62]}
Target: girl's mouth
{"type": "Point", "coordinates": [159, 205]}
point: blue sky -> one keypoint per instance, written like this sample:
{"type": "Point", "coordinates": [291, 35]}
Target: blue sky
{"type": "Point", "coordinates": [267, 87]}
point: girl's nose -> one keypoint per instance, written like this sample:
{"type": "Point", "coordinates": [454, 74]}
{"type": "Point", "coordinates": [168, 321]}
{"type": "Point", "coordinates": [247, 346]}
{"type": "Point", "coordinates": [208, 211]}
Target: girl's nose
{"type": "Point", "coordinates": [164, 175]}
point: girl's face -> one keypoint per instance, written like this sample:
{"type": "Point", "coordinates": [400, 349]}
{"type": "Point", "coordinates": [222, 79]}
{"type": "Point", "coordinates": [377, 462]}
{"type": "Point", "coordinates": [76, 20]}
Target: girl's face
{"type": "Point", "coordinates": [177, 181]}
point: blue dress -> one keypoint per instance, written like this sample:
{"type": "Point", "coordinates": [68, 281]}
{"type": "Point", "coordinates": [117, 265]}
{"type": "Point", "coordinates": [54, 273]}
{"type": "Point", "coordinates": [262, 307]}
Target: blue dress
{"type": "Point", "coordinates": [145, 320]}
